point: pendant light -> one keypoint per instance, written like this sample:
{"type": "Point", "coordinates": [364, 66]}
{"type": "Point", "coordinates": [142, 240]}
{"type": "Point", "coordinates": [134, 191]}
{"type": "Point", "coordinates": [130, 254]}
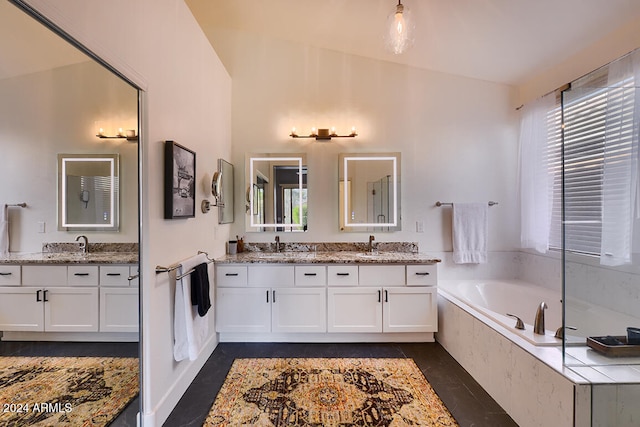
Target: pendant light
{"type": "Point", "coordinates": [399, 30]}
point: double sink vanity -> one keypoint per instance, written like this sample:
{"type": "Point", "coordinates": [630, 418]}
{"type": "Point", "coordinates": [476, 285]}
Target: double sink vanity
{"type": "Point", "coordinates": [61, 294]}
{"type": "Point", "coordinates": [306, 295]}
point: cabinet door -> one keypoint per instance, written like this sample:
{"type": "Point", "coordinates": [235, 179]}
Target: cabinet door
{"type": "Point", "coordinates": [299, 310]}
{"type": "Point", "coordinates": [71, 309]}
{"type": "Point", "coordinates": [354, 309]}
{"type": "Point", "coordinates": [243, 310]}
{"type": "Point", "coordinates": [119, 309]}
{"type": "Point", "coordinates": [20, 310]}
{"type": "Point", "coordinates": [410, 309]}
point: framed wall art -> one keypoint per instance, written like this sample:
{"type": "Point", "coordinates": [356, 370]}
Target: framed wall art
{"type": "Point", "coordinates": [179, 181]}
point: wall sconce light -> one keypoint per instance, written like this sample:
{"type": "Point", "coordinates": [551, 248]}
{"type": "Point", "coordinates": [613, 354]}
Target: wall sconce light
{"type": "Point", "coordinates": [129, 134]}
{"type": "Point", "coordinates": [323, 134]}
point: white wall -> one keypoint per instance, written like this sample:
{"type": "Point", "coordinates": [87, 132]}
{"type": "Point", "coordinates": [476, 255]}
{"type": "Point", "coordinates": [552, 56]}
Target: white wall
{"type": "Point", "coordinates": [457, 136]}
{"type": "Point", "coordinates": [46, 113]}
{"type": "Point", "coordinates": [158, 44]}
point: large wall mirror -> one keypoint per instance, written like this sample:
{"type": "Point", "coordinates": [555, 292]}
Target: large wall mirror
{"type": "Point", "coordinates": [54, 98]}
{"type": "Point", "coordinates": [276, 192]}
{"type": "Point", "coordinates": [88, 192]}
{"type": "Point", "coordinates": [369, 192]}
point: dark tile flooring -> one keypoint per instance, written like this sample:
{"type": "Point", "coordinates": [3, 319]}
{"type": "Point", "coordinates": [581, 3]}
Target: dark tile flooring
{"type": "Point", "coordinates": [465, 399]}
{"type": "Point", "coordinates": [126, 418]}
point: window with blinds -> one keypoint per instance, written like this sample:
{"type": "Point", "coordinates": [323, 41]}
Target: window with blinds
{"type": "Point", "coordinates": [587, 135]}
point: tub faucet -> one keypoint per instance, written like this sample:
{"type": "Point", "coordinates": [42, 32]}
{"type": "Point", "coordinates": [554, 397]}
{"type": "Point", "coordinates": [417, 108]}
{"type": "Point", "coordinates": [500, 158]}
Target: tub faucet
{"type": "Point", "coordinates": [538, 324]}
{"type": "Point", "coordinates": [84, 246]}
{"type": "Point", "coordinates": [277, 243]}
{"type": "Point", "coordinates": [370, 247]}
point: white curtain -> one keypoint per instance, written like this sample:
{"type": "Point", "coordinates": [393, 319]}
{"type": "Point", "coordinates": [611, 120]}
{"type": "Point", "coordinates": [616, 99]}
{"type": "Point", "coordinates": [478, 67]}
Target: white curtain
{"type": "Point", "coordinates": [620, 174]}
{"type": "Point", "coordinates": [535, 181]}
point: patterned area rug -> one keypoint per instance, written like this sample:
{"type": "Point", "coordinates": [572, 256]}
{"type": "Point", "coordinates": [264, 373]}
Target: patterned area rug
{"type": "Point", "coordinates": [65, 391]}
{"type": "Point", "coordinates": [327, 393]}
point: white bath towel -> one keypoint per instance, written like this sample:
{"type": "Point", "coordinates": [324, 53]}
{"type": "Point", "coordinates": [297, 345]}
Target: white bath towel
{"type": "Point", "coordinates": [4, 230]}
{"type": "Point", "coordinates": [190, 330]}
{"type": "Point", "coordinates": [470, 230]}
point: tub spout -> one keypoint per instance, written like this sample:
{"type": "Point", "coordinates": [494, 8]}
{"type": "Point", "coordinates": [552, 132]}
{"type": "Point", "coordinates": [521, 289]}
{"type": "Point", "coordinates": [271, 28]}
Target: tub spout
{"type": "Point", "coordinates": [538, 325]}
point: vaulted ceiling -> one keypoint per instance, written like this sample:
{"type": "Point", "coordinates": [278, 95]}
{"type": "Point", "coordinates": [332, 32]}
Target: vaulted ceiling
{"type": "Point", "coordinates": [505, 41]}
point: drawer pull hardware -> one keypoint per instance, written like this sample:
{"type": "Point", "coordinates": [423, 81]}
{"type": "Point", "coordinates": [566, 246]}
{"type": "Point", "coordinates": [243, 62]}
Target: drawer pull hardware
{"type": "Point", "coordinates": [421, 274]}
{"type": "Point", "coordinates": [386, 296]}
{"type": "Point", "coordinates": [379, 296]}
{"type": "Point", "coordinates": [267, 296]}
{"type": "Point", "coordinates": [44, 293]}
{"type": "Point", "coordinates": [310, 274]}
{"type": "Point", "coordinates": [38, 295]}
{"type": "Point", "coordinates": [342, 274]}
{"type": "Point", "coordinates": [231, 274]}
{"type": "Point", "coordinates": [80, 274]}
{"type": "Point", "coordinates": [113, 274]}
{"type": "Point", "coordinates": [6, 274]}
{"type": "Point", "coordinates": [274, 296]}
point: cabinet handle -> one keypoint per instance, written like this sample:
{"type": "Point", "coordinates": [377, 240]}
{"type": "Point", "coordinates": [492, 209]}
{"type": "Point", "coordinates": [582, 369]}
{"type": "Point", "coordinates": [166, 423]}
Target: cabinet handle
{"type": "Point", "coordinates": [386, 296]}
{"type": "Point", "coordinates": [135, 276]}
{"type": "Point", "coordinates": [231, 274]}
{"type": "Point", "coordinates": [379, 296]}
{"type": "Point", "coordinates": [44, 293]}
{"type": "Point", "coordinates": [5, 274]}
{"type": "Point", "coordinates": [274, 296]}
{"type": "Point", "coordinates": [310, 274]}
{"type": "Point", "coordinates": [82, 274]}
{"type": "Point", "coordinates": [113, 274]}
{"type": "Point", "coordinates": [38, 295]}
{"type": "Point", "coordinates": [342, 274]}
{"type": "Point", "coordinates": [421, 274]}
{"type": "Point", "coordinates": [267, 296]}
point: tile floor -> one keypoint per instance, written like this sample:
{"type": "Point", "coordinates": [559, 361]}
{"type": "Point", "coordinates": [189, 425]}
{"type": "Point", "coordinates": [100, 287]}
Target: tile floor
{"type": "Point", "coordinates": [467, 401]}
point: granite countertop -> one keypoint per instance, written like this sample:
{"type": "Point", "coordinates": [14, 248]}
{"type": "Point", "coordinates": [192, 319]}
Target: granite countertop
{"type": "Point", "coordinates": [328, 257]}
{"type": "Point", "coordinates": [35, 258]}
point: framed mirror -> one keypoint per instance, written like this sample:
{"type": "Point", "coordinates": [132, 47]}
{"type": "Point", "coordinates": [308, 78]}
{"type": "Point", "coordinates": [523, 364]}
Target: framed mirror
{"type": "Point", "coordinates": [88, 192]}
{"type": "Point", "coordinates": [224, 187]}
{"type": "Point", "coordinates": [369, 191]}
{"type": "Point", "coordinates": [276, 192]}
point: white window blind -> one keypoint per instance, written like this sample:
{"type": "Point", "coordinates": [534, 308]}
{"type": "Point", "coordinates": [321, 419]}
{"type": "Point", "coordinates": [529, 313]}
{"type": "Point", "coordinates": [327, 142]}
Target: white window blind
{"type": "Point", "coordinates": [586, 135]}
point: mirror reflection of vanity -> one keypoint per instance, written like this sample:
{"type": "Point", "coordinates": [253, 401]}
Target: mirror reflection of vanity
{"type": "Point", "coordinates": [88, 192]}
{"type": "Point", "coordinates": [276, 192]}
{"type": "Point", "coordinates": [369, 192]}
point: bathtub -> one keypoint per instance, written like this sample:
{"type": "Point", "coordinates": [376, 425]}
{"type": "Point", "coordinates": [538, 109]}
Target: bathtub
{"type": "Point", "coordinates": [495, 298]}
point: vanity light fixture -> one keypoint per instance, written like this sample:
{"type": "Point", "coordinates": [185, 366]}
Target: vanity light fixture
{"type": "Point", "coordinates": [323, 134]}
{"type": "Point", "coordinates": [129, 134]}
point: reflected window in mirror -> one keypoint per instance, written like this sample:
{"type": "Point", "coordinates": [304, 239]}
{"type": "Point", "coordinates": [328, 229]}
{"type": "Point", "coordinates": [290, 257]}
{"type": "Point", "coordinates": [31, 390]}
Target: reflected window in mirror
{"type": "Point", "coordinates": [369, 192]}
{"type": "Point", "coordinates": [276, 192]}
{"type": "Point", "coordinates": [88, 192]}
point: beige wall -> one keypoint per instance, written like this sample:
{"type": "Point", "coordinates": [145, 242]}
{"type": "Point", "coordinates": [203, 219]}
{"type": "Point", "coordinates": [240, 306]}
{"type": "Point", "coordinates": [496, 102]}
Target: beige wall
{"type": "Point", "coordinates": [457, 136]}
{"type": "Point", "coordinates": [187, 98]}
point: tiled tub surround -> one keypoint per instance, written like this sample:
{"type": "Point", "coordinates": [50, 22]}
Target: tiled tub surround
{"type": "Point", "coordinates": [530, 381]}
{"type": "Point", "coordinates": [326, 296]}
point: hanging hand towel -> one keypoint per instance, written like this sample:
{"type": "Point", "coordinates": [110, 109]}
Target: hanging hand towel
{"type": "Point", "coordinates": [470, 230]}
{"type": "Point", "coordinates": [190, 330]}
{"type": "Point", "coordinates": [4, 230]}
{"type": "Point", "coordinates": [200, 288]}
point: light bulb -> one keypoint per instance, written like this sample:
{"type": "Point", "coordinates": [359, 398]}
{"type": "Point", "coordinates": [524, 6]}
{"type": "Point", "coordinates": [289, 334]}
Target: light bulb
{"type": "Point", "coordinates": [399, 35]}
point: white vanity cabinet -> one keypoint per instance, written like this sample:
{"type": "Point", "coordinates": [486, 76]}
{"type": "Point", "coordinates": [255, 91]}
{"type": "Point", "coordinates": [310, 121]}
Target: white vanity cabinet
{"type": "Point", "coordinates": [68, 298]}
{"type": "Point", "coordinates": [270, 298]}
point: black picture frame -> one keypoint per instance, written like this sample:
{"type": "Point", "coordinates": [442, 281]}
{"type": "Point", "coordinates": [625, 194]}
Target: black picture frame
{"type": "Point", "coordinates": [179, 181]}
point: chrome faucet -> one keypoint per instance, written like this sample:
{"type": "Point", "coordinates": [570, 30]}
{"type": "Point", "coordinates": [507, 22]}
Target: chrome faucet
{"type": "Point", "coordinates": [538, 324]}
{"type": "Point", "coordinates": [277, 243]}
{"type": "Point", "coordinates": [84, 246]}
{"type": "Point", "coordinates": [370, 247]}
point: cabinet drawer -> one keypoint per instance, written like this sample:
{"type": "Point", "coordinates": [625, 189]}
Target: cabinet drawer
{"type": "Point", "coordinates": [382, 275]}
{"type": "Point", "coordinates": [422, 275]}
{"type": "Point", "coordinates": [114, 275]}
{"type": "Point", "coordinates": [271, 276]}
{"type": "Point", "coordinates": [82, 275]}
{"type": "Point", "coordinates": [342, 275]}
{"type": "Point", "coordinates": [231, 275]}
{"type": "Point", "coordinates": [10, 275]}
{"type": "Point", "coordinates": [44, 275]}
{"type": "Point", "coordinates": [310, 275]}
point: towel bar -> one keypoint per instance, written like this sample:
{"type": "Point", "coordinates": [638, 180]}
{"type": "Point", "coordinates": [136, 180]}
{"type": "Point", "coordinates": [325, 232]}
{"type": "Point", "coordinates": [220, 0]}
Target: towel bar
{"type": "Point", "coordinates": [439, 203]}
{"type": "Point", "coordinates": [161, 269]}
